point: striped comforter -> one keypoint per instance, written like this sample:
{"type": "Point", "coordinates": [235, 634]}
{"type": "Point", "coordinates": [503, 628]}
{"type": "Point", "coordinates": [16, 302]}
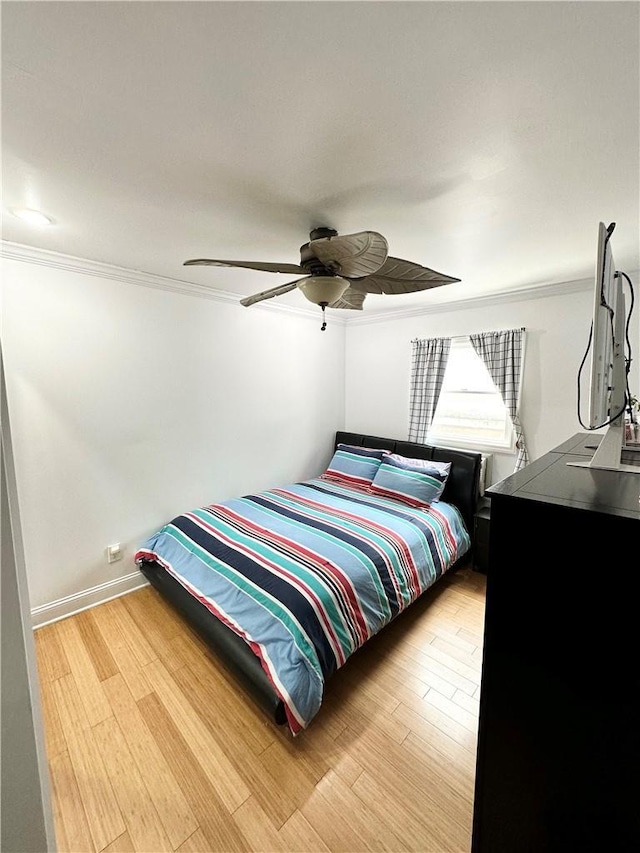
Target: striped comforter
{"type": "Point", "coordinates": [307, 573]}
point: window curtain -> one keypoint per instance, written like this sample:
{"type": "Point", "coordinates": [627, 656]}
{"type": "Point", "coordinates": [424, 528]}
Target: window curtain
{"type": "Point", "coordinates": [428, 364]}
{"type": "Point", "coordinates": [501, 353]}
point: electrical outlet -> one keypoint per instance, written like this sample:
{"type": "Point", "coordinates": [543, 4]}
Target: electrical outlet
{"type": "Point", "coordinates": [114, 553]}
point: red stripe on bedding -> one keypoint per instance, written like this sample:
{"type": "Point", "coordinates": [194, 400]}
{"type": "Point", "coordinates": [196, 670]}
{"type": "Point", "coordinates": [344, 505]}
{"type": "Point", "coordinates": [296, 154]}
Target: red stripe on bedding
{"type": "Point", "coordinates": [321, 563]}
{"type": "Point", "coordinates": [399, 543]}
{"type": "Point", "coordinates": [279, 570]}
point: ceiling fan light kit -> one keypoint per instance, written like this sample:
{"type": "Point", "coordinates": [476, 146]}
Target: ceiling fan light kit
{"type": "Point", "coordinates": [341, 270]}
{"type": "Point", "coordinates": [323, 289]}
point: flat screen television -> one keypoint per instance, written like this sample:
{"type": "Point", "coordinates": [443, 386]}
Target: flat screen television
{"type": "Point", "coordinates": [608, 371]}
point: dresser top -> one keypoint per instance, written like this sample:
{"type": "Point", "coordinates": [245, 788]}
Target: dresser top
{"type": "Point", "coordinates": [550, 479]}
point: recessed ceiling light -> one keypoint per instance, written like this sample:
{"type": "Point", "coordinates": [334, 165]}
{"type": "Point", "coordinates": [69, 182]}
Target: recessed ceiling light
{"type": "Point", "coordinates": [33, 217]}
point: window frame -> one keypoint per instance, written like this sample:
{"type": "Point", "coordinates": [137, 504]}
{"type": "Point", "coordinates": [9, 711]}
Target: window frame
{"type": "Point", "coordinates": [483, 444]}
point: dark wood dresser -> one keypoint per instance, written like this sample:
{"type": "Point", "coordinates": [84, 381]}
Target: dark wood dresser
{"type": "Point", "coordinates": [558, 762]}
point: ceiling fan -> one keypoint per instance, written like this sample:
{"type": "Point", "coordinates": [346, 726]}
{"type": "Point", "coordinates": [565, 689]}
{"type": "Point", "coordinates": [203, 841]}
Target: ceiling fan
{"type": "Point", "coordinates": [340, 270]}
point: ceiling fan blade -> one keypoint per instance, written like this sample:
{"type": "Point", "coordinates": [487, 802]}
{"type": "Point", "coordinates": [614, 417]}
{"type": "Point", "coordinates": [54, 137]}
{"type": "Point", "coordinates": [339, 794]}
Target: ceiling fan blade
{"type": "Point", "coordinates": [269, 294]}
{"type": "Point", "coordinates": [249, 265]}
{"type": "Point", "coordinates": [399, 276]}
{"type": "Point", "coordinates": [352, 255]}
{"type": "Point", "coordinates": [351, 298]}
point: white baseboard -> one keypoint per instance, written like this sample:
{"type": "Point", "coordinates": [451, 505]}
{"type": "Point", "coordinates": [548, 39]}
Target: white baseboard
{"type": "Point", "coordinates": [63, 607]}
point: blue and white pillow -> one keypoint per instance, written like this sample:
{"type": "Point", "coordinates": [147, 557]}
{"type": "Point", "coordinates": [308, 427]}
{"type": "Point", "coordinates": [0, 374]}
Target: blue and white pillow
{"type": "Point", "coordinates": [416, 482]}
{"type": "Point", "coordinates": [355, 466]}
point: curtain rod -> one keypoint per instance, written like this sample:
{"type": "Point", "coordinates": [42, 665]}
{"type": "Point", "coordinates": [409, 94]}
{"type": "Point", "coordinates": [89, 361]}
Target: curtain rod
{"type": "Point", "coordinates": [464, 337]}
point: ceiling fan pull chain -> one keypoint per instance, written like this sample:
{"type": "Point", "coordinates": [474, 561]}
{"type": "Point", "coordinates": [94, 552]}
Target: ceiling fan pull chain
{"type": "Point", "coordinates": [324, 320]}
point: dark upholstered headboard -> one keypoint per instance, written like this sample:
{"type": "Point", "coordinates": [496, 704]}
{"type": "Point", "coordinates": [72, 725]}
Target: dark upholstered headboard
{"type": "Point", "coordinates": [463, 485]}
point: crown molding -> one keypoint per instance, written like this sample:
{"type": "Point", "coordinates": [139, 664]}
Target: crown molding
{"type": "Point", "coordinates": [499, 298]}
{"type": "Point", "coordinates": [99, 269]}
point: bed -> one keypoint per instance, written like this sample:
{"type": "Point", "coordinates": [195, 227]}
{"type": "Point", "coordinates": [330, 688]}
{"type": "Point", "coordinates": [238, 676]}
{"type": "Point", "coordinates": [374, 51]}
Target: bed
{"type": "Point", "coordinates": [286, 584]}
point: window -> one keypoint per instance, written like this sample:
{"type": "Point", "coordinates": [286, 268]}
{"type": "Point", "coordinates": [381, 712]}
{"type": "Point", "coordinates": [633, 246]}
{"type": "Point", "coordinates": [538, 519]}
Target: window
{"type": "Point", "coordinates": [470, 410]}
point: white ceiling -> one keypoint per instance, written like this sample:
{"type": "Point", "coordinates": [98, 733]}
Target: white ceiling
{"type": "Point", "coordinates": [484, 140]}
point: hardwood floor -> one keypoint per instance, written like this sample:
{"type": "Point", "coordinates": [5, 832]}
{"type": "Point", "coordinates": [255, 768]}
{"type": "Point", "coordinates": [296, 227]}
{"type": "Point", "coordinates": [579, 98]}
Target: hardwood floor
{"type": "Point", "coordinates": [153, 746]}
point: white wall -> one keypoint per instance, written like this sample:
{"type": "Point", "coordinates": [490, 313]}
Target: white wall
{"type": "Point", "coordinates": [378, 359]}
{"type": "Point", "coordinates": [130, 404]}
